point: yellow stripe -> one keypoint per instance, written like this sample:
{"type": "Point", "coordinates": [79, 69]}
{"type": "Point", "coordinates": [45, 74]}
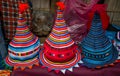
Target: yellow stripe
{"type": "Point", "coordinates": [23, 40]}
{"type": "Point", "coordinates": [26, 30]}
{"type": "Point", "coordinates": [23, 61]}
{"type": "Point", "coordinates": [61, 32]}
{"type": "Point", "coordinates": [60, 24]}
{"type": "Point", "coordinates": [55, 40]}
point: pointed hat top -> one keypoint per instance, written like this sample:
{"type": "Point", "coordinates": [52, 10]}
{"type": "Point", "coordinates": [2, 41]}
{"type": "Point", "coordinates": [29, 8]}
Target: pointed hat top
{"type": "Point", "coordinates": [23, 7]}
{"type": "Point", "coordinates": [60, 5]}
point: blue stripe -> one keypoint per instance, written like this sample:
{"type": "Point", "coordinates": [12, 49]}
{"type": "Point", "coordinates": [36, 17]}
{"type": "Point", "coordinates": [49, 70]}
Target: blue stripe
{"type": "Point", "coordinates": [24, 58]}
{"type": "Point", "coordinates": [26, 33]}
{"type": "Point", "coordinates": [60, 34]}
{"type": "Point", "coordinates": [23, 49]}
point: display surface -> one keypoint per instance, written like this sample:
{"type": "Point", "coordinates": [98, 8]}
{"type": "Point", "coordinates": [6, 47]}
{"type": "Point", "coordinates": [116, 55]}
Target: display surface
{"type": "Point", "coordinates": [81, 71]}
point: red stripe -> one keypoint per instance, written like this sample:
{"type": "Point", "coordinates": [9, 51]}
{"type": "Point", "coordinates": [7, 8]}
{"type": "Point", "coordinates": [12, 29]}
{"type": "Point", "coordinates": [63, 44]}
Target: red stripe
{"type": "Point", "coordinates": [59, 36]}
{"type": "Point", "coordinates": [24, 45]}
{"type": "Point", "coordinates": [23, 20]}
{"type": "Point", "coordinates": [60, 20]}
{"type": "Point", "coordinates": [59, 45]}
{"type": "Point", "coordinates": [59, 29]}
{"type": "Point", "coordinates": [12, 63]}
{"type": "Point", "coordinates": [59, 12]}
{"type": "Point", "coordinates": [26, 27]}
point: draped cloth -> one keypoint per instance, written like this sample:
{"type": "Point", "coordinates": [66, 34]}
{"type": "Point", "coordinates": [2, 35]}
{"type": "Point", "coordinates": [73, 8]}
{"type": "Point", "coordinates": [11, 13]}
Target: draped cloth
{"type": "Point", "coordinates": [9, 10]}
{"type": "Point", "coordinates": [76, 16]}
{"type": "Point", "coordinates": [3, 51]}
{"type": "Point", "coordinates": [101, 9]}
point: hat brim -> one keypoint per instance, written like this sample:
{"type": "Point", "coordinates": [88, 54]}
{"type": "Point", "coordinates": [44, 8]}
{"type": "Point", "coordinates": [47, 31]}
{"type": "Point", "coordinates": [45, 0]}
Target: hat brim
{"type": "Point", "coordinates": [93, 63]}
{"type": "Point", "coordinates": [30, 62]}
{"type": "Point", "coordinates": [59, 66]}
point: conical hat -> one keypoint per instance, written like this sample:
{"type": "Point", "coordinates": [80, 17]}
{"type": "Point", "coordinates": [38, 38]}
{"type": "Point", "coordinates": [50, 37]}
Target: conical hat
{"type": "Point", "coordinates": [60, 51]}
{"type": "Point", "coordinates": [96, 47]}
{"type": "Point", "coordinates": [24, 47]}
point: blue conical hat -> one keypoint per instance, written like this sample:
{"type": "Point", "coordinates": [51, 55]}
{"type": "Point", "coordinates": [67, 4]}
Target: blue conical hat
{"type": "Point", "coordinates": [96, 47]}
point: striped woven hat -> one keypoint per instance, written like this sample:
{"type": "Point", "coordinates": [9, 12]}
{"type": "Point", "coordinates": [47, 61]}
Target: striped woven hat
{"type": "Point", "coordinates": [24, 47]}
{"type": "Point", "coordinates": [96, 47]}
{"type": "Point", "coordinates": [60, 51]}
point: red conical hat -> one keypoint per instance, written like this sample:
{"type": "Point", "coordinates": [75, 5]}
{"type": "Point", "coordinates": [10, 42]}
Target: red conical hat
{"type": "Point", "coordinates": [60, 51]}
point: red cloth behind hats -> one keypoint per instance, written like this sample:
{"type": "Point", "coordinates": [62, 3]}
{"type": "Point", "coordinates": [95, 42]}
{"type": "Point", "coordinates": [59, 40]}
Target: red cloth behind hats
{"type": "Point", "coordinates": [101, 9]}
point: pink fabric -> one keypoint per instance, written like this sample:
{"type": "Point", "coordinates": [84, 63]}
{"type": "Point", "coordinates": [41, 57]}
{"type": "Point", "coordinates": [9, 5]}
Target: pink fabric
{"type": "Point", "coordinates": [76, 16]}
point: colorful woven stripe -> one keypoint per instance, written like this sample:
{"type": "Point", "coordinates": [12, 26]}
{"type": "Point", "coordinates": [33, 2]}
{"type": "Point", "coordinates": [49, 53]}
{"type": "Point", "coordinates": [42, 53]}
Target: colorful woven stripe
{"type": "Point", "coordinates": [56, 38]}
{"type": "Point", "coordinates": [24, 64]}
{"type": "Point", "coordinates": [23, 53]}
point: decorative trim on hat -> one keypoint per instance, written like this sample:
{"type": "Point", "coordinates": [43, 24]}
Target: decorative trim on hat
{"type": "Point", "coordinates": [60, 66]}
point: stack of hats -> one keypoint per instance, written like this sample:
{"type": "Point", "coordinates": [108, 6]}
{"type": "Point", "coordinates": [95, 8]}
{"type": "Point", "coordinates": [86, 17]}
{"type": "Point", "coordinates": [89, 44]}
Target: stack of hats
{"type": "Point", "coordinates": [97, 48]}
{"type": "Point", "coordinates": [118, 40]}
{"type": "Point", "coordinates": [59, 52]}
{"type": "Point", "coordinates": [23, 49]}
{"type": "Point", "coordinates": [111, 31]}
{"type": "Point", "coordinates": [117, 43]}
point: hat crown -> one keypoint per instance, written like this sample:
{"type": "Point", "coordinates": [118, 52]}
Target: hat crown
{"type": "Point", "coordinates": [96, 47]}
{"type": "Point", "coordinates": [96, 40]}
